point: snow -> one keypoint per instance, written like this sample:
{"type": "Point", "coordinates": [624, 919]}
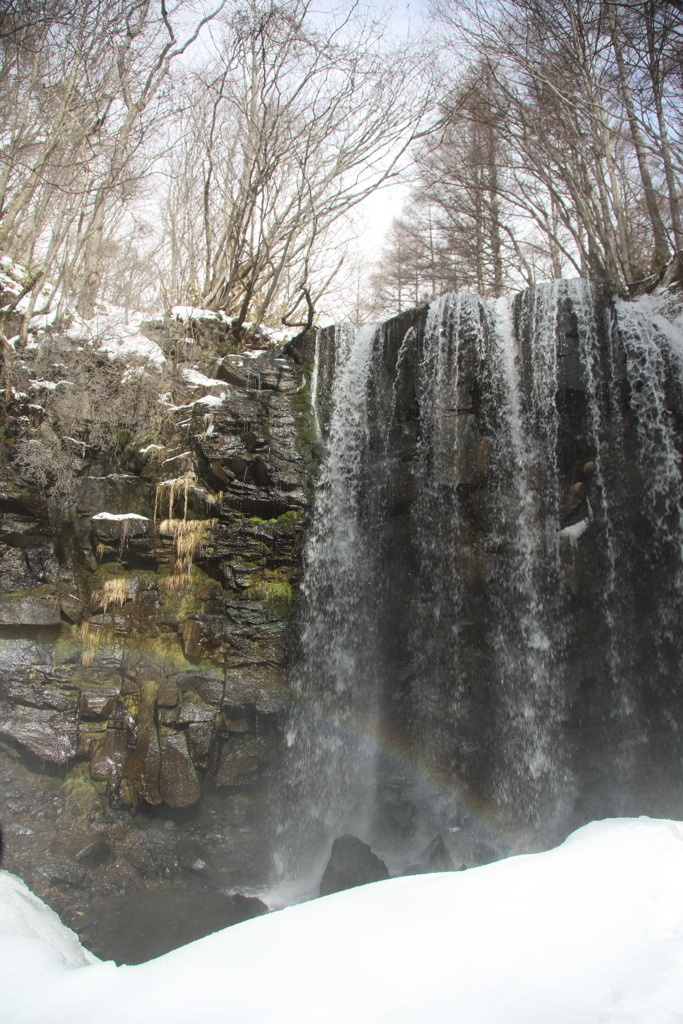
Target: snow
{"type": "Point", "coordinates": [185, 313]}
{"type": "Point", "coordinates": [253, 354]}
{"type": "Point", "coordinates": [174, 457]}
{"type": "Point", "coordinates": [573, 532]}
{"type": "Point", "coordinates": [49, 385]}
{"type": "Point", "coordinates": [212, 400]}
{"type": "Point", "coordinates": [120, 517]}
{"type": "Point", "coordinates": [200, 381]}
{"type": "Point", "coordinates": [111, 331]}
{"type": "Point", "coordinates": [588, 933]}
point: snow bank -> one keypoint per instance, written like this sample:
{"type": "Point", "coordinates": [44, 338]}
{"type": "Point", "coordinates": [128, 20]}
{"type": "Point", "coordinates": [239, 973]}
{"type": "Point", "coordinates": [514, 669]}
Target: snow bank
{"type": "Point", "coordinates": [590, 932]}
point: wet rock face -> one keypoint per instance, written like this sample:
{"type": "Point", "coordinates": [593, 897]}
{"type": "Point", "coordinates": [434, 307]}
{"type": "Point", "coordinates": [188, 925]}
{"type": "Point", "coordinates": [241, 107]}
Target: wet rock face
{"type": "Point", "coordinates": [145, 607]}
{"type": "Point", "coordinates": [140, 687]}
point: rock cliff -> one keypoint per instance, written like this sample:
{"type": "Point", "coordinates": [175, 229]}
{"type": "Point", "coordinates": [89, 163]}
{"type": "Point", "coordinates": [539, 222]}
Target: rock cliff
{"type": "Point", "coordinates": [152, 514]}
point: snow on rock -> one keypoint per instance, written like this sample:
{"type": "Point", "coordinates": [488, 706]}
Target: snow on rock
{"type": "Point", "coordinates": [576, 530]}
{"type": "Point", "coordinates": [212, 400]}
{"type": "Point", "coordinates": [49, 385]}
{"type": "Point", "coordinates": [111, 331]}
{"type": "Point", "coordinates": [119, 518]}
{"type": "Point", "coordinates": [186, 313]}
{"type": "Point", "coordinates": [588, 933]}
{"type": "Point", "coordinates": [173, 458]}
{"type": "Point", "coordinates": [198, 380]}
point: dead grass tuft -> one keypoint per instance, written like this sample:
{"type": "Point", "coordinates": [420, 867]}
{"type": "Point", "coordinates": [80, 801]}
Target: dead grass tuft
{"type": "Point", "coordinates": [114, 591]}
{"type": "Point", "coordinates": [188, 537]}
{"type": "Point", "coordinates": [90, 640]}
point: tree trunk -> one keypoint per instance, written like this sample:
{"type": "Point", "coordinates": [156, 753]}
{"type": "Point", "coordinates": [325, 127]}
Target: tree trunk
{"type": "Point", "coordinates": [661, 243]}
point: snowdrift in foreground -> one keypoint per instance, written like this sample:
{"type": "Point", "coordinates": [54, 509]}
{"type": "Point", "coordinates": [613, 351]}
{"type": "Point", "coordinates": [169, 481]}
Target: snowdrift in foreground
{"type": "Point", "coordinates": [590, 932]}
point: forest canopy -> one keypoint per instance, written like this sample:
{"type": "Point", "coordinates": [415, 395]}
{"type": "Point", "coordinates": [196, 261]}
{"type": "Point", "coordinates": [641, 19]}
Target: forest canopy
{"type": "Point", "coordinates": [214, 154]}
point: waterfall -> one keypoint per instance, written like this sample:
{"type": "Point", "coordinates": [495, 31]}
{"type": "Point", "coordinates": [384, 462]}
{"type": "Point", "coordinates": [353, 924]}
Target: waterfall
{"type": "Point", "coordinates": [491, 634]}
{"type": "Point", "coordinates": [331, 731]}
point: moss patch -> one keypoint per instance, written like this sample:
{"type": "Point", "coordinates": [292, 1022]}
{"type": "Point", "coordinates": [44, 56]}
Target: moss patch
{"type": "Point", "coordinates": [82, 797]}
{"type": "Point", "coordinates": [274, 595]}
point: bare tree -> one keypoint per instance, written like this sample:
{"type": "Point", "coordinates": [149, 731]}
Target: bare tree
{"type": "Point", "coordinates": [288, 130]}
{"type": "Point", "coordinates": [567, 157]}
{"type": "Point", "coordinates": [81, 93]}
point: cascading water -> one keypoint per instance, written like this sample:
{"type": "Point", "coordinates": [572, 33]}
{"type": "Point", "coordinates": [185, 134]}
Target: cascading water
{"type": "Point", "coordinates": [331, 730]}
{"type": "Point", "coordinates": [494, 573]}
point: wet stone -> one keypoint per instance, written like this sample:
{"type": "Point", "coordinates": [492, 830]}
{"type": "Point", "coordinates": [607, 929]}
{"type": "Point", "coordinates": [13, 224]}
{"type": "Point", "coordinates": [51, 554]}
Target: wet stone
{"type": "Point", "coordinates": [178, 783]}
{"type": "Point", "coordinates": [71, 875]}
{"type": "Point", "coordinates": [89, 733]}
{"type": "Point", "coordinates": [107, 763]}
{"type": "Point", "coordinates": [240, 761]}
{"type": "Point", "coordinates": [143, 766]}
{"type": "Point", "coordinates": [51, 735]}
{"type": "Point", "coordinates": [42, 696]}
{"type": "Point", "coordinates": [29, 611]}
{"type": "Point", "coordinates": [71, 609]}
{"type": "Point", "coordinates": [193, 857]}
{"type": "Point", "coordinates": [195, 713]}
{"type": "Point", "coordinates": [95, 853]}
{"type": "Point", "coordinates": [167, 695]}
{"type": "Point", "coordinates": [199, 737]}
{"type": "Point", "coordinates": [98, 701]}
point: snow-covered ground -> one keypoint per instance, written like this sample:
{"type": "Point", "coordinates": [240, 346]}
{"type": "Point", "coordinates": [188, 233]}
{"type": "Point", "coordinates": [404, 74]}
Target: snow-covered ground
{"type": "Point", "coordinates": [111, 331]}
{"type": "Point", "coordinates": [589, 933]}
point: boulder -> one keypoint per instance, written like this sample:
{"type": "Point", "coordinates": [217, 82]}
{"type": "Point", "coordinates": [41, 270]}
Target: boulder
{"type": "Point", "coordinates": [193, 857]}
{"type": "Point", "coordinates": [351, 863]}
{"type": "Point", "coordinates": [108, 759]}
{"type": "Point", "coordinates": [142, 769]}
{"type": "Point", "coordinates": [25, 691]}
{"type": "Point", "coordinates": [178, 783]}
{"type": "Point", "coordinates": [89, 735]}
{"type": "Point", "coordinates": [167, 695]}
{"type": "Point", "coordinates": [51, 735]}
{"type": "Point", "coordinates": [240, 761]}
{"type": "Point", "coordinates": [436, 857]}
{"type": "Point", "coordinates": [134, 927]}
{"type": "Point", "coordinates": [95, 853]}
{"type": "Point", "coordinates": [98, 701]}
{"type": "Point", "coordinates": [199, 737]}
{"type": "Point", "coordinates": [71, 875]}
{"type": "Point", "coordinates": [192, 712]}
{"type": "Point", "coordinates": [71, 608]}
{"type": "Point", "coordinates": [29, 611]}
{"type": "Point", "coordinates": [455, 849]}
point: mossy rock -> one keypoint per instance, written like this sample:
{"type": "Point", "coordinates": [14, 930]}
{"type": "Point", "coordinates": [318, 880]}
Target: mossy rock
{"type": "Point", "coordinates": [276, 596]}
{"type": "Point", "coordinates": [67, 650]}
{"type": "Point", "coordinates": [83, 799]}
